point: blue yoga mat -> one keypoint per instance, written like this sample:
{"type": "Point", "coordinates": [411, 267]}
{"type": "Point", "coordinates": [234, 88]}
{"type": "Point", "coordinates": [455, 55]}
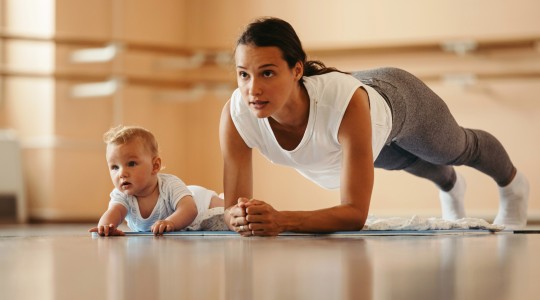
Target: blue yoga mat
{"type": "Point", "coordinates": [334, 234]}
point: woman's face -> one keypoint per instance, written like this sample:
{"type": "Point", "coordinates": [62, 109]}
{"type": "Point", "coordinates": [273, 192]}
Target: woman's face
{"type": "Point", "coordinates": [265, 80]}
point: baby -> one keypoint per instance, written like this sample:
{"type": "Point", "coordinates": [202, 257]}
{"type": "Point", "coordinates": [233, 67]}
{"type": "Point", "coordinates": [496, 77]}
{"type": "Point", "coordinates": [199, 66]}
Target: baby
{"type": "Point", "coordinates": [147, 199]}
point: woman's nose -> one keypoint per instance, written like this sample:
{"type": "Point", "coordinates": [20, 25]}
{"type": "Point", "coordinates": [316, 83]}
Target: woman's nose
{"type": "Point", "coordinates": [255, 88]}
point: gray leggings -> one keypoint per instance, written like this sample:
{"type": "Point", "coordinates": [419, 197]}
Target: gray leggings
{"type": "Point", "coordinates": [425, 139]}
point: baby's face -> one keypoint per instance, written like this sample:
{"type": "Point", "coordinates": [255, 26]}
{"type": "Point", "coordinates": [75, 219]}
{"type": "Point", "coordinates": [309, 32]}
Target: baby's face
{"type": "Point", "coordinates": [131, 168]}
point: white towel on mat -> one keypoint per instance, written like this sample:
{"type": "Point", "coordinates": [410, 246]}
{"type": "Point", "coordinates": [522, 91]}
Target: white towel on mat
{"type": "Point", "coordinates": [419, 223]}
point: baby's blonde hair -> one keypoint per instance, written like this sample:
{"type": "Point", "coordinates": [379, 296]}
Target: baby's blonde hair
{"type": "Point", "coordinates": [123, 134]}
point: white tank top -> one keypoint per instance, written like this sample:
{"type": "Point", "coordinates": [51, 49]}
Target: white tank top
{"type": "Point", "coordinates": [318, 155]}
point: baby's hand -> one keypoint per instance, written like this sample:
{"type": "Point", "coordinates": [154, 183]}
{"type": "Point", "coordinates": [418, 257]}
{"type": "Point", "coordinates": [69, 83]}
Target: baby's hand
{"type": "Point", "coordinates": [106, 230]}
{"type": "Point", "coordinates": [162, 226]}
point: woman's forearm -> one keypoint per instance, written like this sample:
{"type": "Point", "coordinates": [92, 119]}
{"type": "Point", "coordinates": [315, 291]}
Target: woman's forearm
{"type": "Point", "coordinates": [339, 218]}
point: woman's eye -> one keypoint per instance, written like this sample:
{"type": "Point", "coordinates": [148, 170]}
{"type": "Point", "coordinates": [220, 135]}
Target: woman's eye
{"type": "Point", "coordinates": [268, 73]}
{"type": "Point", "coordinates": [242, 74]}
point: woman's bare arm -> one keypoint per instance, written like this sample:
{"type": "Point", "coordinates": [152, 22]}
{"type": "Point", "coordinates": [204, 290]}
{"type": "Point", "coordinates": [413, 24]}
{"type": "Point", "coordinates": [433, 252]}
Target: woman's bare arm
{"type": "Point", "coordinates": [238, 174]}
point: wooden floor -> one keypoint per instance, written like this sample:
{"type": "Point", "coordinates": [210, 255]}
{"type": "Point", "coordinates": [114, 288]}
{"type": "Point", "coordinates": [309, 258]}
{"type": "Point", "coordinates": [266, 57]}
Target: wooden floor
{"type": "Point", "coordinates": [65, 262]}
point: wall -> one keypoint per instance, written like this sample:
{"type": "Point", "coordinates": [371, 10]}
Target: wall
{"type": "Point", "coordinates": [349, 23]}
{"type": "Point", "coordinates": [348, 34]}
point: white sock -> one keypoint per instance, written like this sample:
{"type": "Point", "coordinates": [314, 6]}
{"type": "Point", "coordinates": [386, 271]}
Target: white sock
{"type": "Point", "coordinates": [452, 201]}
{"type": "Point", "coordinates": [513, 200]}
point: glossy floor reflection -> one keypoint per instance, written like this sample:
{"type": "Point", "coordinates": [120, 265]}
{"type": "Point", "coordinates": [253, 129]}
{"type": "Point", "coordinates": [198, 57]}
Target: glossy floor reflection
{"type": "Point", "coordinates": [63, 262]}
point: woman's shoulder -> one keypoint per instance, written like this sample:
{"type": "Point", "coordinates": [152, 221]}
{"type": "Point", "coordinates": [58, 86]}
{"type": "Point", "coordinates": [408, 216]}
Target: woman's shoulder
{"type": "Point", "coordinates": [331, 80]}
{"type": "Point", "coordinates": [329, 85]}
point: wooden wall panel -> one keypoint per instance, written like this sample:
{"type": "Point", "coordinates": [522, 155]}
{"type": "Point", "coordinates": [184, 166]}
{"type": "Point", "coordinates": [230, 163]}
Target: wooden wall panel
{"type": "Point", "coordinates": [150, 23]}
{"type": "Point", "coordinates": [348, 23]}
{"type": "Point", "coordinates": [84, 20]}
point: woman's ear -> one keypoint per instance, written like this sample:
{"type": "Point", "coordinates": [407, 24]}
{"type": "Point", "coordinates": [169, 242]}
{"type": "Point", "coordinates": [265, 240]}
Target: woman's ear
{"type": "Point", "coordinates": [156, 165]}
{"type": "Point", "coordinates": [298, 70]}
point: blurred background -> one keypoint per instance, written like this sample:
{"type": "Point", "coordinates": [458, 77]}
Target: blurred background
{"type": "Point", "coordinates": [71, 69]}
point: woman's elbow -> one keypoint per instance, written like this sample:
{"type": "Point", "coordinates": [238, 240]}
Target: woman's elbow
{"type": "Point", "coordinates": [356, 220]}
{"type": "Point", "coordinates": [357, 225]}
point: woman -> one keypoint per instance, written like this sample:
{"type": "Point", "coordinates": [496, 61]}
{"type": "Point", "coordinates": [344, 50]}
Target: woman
{"type": "Point", "coordinates": [334, 128]}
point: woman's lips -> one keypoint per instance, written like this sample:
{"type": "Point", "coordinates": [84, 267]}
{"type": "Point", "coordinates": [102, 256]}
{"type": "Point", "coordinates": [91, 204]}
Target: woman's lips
{"type": "Point", "coordinates": [259, 104]}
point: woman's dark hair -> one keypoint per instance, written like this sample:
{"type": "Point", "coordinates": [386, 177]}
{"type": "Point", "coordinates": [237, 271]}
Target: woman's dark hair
{"type": "Point", "coordinates": [274, 32]}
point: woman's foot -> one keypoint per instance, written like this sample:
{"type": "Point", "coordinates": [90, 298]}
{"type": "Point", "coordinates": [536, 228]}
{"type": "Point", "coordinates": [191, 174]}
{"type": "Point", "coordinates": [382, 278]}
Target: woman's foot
{"type": "Point", "coordinates": [452, 200]}
{"type": "Point", "coordinates": [513, 201]}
